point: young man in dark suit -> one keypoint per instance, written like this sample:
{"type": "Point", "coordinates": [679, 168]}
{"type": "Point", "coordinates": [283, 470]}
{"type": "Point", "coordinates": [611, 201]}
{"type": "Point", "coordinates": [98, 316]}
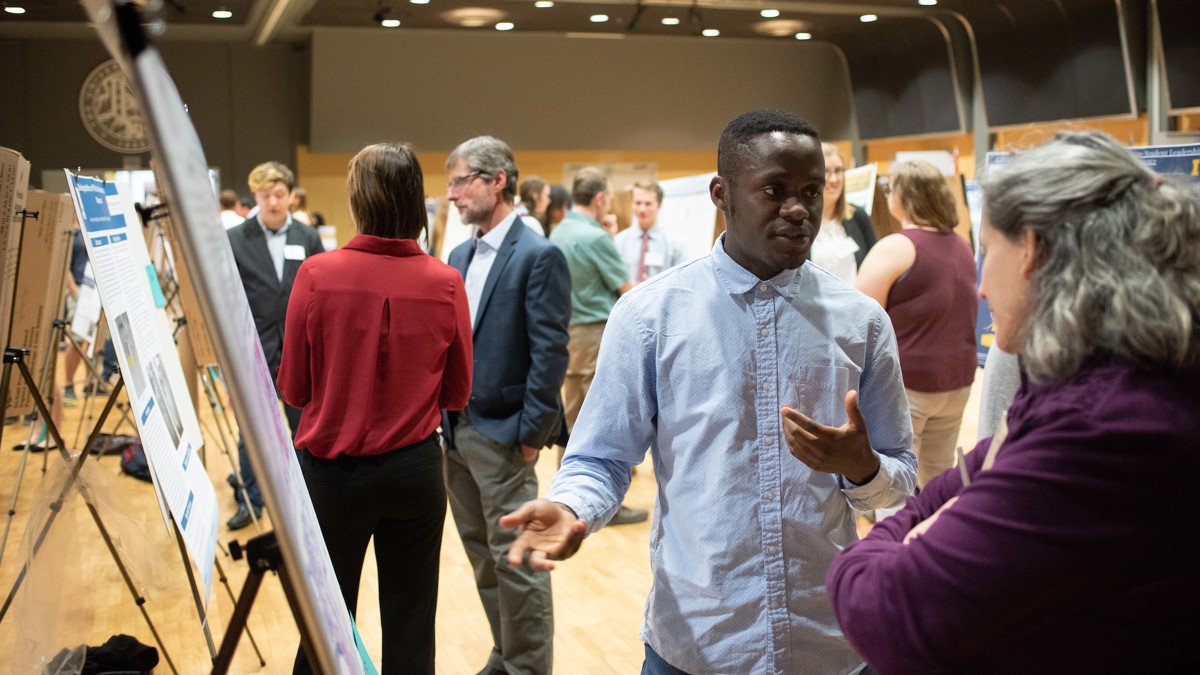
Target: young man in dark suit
{"type": "Point", "coordinates": [268, 249]}
{"type": "Point", "coordinates": [519, 292]}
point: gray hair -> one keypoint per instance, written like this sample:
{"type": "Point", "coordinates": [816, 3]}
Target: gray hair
{"type": "Point", "coordinates": [489, 156]}
{"type": "Point", "coordinates": [1118, 255]}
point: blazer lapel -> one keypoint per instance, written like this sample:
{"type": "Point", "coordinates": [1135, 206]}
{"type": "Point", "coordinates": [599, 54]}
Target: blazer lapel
{"type": "Point", "coordinates": [502, 256]}
{"type": "Point", "coordinates": [290, 267]}
{"type": "Point", "coordinates": [258, 244]}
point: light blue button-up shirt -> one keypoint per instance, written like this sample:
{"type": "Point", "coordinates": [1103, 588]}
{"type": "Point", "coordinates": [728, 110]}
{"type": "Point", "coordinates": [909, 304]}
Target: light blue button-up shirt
{"type": "Point", "coordinates": [695, 364]}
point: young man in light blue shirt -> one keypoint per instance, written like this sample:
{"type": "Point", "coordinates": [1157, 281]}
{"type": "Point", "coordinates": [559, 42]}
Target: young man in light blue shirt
{"type": "Point", "coordinates": [771, 397]}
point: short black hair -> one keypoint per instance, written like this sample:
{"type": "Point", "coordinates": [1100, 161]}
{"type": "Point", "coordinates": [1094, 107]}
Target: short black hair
{"type": "Point", "coordinates": [750, 125]}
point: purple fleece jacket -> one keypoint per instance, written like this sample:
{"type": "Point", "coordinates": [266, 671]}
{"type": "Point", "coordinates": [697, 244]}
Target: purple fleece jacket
{"type": "Point", "coordinates": [1070, 554]}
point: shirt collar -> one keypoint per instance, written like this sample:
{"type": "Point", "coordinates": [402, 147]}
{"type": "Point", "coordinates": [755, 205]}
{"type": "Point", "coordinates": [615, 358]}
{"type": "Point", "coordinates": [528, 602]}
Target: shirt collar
{"type": "Point", "coordinates": [738, 280]}
{"type": "Point", "coordinates": [384, 245]}
{"type": "Point", "coordinates": [575, 215]}
{"type": "Point", "coordinates": [287, 222]}
{"type": "Point", "coordinates": [495, 237]}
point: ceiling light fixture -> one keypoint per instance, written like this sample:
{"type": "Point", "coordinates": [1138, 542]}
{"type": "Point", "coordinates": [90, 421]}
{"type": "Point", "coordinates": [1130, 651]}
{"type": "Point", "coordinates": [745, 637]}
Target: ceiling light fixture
{"type": "Point", "coordinates": [544, 4]}
{"type": "Point", "coordinates": [803, 36]}
{"type": "Point", "coordinates": [390, 23]}
{"type": "Point", "coordinates": [222, 14]}
{"type": "Point", "coordinates": [598, 18]}
{"type": "Point", "coordinates": [505, 25]}
{"type": "Point", "coordinates": [710, 32]}
{"type": "Point", "coordinates": [769, 13]}
{"type": "Point", "coordinates": [868, 18]}
{"type": "Point", "coordinates": [670, 21]}
{"type": "Point", "coordinates": [419, 2]}
{"type": "Point", "coordinates": [14, 9]}
{"type": "Point", "coordinates": [927, 3]}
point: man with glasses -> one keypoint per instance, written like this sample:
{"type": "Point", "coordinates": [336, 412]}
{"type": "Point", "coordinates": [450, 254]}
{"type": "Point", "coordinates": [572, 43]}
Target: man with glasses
{"type": "Point", "coordinates": [519, 293]}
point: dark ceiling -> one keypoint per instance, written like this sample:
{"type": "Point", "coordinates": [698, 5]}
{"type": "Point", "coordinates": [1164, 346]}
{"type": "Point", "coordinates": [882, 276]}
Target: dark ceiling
{"type": "Point", "coordinates": [733, 18]}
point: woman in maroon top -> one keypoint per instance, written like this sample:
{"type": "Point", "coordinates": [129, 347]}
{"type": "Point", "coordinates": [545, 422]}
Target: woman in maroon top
{"type": "Point", "coordinates": [377, 343]}
{"type": "Point", "coordinates": [1055, 549]}
{"type": "Point", "coordinates": [924, 276]}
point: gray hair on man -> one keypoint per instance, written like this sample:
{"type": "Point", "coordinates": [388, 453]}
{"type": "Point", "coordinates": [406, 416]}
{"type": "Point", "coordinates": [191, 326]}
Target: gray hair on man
{"type": "Point", "coordinates": [1118, 251]}
{"type": "Point", "coordinates": [489, 156]}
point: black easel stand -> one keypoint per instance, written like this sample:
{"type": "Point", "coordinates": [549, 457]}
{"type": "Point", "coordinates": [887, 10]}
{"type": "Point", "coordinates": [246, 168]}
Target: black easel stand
{"type": "Point", "coordinates": [17, 356]}
{"type": "Point", "coordinates": [263, 555]}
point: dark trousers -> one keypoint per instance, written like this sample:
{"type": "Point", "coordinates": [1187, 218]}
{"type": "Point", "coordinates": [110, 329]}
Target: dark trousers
{"type": "Point", "coordinates": [655, 665]}
{"type": "Point", "coordinates": [399, 499]}
{"type": "Point", "coordinates": [247, 470]}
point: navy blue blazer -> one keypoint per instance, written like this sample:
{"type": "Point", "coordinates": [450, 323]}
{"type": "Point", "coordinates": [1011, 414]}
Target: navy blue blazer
{"type": "Point", "coordinates": [520, 341]}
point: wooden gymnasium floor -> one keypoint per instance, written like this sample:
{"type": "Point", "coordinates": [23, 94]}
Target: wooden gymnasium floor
{"type": "Point", "coordinates": [74, 594]}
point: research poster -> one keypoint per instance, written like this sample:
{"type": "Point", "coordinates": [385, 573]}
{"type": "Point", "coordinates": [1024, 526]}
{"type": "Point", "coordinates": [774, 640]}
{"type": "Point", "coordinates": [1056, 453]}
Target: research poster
{"type": "Point", "coordinates": [166, 421]}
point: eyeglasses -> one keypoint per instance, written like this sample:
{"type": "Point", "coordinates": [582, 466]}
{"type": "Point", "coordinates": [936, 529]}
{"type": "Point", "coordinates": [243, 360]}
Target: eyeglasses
{"type": "Point", "coordinates": [462, 181]}
{"type": "Point", "coordinates": [834, 172]}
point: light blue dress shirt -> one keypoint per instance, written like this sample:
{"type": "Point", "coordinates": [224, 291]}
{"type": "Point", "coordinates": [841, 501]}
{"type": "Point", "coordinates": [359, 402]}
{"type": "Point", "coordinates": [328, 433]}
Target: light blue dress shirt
{"type": "Point", "coordinates": [661, 249]}
{"type": "Point", "coordinates": [695, 364]}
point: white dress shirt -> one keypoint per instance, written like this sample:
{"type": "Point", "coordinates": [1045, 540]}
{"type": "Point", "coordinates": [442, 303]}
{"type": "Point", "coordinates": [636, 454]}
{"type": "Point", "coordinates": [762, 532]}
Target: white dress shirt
{"type": "Point", "coordinates": [481, 263]}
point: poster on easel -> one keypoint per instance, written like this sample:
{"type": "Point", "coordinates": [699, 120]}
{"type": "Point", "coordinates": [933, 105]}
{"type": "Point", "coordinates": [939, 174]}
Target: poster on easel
{"type": "Point", "coordinates": [313, 589]}
{"type": "Point", "coordinates": [860, 186]}
{"type": "Point", "coordinates": [165, 419]}
{"type": "Point", "coordinates": [14, 183]}
{"type": "Point", "coordinates": [45, 247]}
{"type": "Point", "coordinates": [688, 214]}
{"type": "Point", "coordinates": [197, 331]}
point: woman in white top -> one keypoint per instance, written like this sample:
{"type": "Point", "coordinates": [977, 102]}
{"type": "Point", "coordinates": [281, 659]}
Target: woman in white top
{"type": "Point", "coordinates": [846, 230]}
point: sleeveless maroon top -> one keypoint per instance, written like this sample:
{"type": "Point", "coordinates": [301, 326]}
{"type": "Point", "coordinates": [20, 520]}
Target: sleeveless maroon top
{"type": "Point", "coordinates": [933, 307]}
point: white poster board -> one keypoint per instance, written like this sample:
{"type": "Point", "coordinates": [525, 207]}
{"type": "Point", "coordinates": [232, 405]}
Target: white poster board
{"type": "Point", "coordinates": [204, 246]}
{"type": "Point", "coordinates": [688, 214]}
{"type": "Point", "coordinates": [14, 182]}
{"type": "Point", "coordinates": [456, 232]}
{"type": "Point", "coordinates": [859, 185]}
{"type": "Point", "coordinates": [165, 418]}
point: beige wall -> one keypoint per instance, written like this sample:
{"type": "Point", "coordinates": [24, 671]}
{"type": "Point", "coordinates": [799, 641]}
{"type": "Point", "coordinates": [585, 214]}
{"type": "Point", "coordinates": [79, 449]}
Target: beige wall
{"type": "Point", "coordinates": [550, 92]}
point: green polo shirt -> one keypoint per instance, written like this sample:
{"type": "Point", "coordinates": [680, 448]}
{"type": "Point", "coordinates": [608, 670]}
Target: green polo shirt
{"type": "Point", "coordinates": [597, 271]}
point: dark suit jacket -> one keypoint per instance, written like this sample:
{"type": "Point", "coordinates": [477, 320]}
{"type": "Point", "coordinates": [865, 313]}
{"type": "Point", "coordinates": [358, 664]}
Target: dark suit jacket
{"type": "Point", "coordinates": [862, 231]}
{"type": "Point", "coordinates": [268, 296]}
{"type": "Point", "coordinates": [520, 341]}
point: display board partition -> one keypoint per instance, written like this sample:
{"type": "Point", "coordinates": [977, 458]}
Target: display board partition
{"type": "Point", "coordinates": [299, 553]}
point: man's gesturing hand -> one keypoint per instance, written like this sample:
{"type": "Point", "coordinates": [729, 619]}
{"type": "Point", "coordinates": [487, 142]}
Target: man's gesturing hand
{"type": "Point", "coordinates": [546, 531]}
{"type": "Point", "coordinates": [845, 449]}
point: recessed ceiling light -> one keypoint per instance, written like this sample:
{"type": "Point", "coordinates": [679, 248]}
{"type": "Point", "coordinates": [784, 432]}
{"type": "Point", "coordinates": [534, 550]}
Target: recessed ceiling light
{"type": "Point", "coordinates": [390, 23]}
{"type": "Point", "coordinates": [599, 18]}
{"type": "Point", "coordinates": [927, 3]}
{"type": "Point", "coordinates": [505, 25]}
{"type": "Point", "coordinates": [710, 32]}
{"type": "Point", "coordinates": [12, 9]}
{"type": "Point", "coordinates": [769, 13]}
{"type": "Point", "coordinates": [419, 2]}
{"type": "Point", "coordinates": [670, 21]}
{"type": "Point", "coordinates": [868, 18]}
{"type": "Point", "coordinates": [222, 14]}
{"type": "Point", "coordinates": [803, 36]}
{"type": "Point", "coordinates": [544, 4]}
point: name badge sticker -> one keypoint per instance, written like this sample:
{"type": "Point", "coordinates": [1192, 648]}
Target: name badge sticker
{"type": "Point", "coordinates": [293, 252]}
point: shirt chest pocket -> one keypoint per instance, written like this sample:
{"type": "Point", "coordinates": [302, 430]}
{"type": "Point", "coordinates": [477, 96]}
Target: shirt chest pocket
{"type": "Point", "coordinates": [819, 392]}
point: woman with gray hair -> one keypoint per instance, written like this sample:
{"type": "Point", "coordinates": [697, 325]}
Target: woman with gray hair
{"type": "Point", "coordinates": [1049, 551]}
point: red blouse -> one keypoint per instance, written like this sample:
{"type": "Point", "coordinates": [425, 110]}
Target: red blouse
{"type": "Point", "coordinates": [377, 342]}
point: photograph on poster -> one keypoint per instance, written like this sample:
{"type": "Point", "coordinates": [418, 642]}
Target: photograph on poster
{"type": "Point", "coordinates": [134, 377]}
{"type": "Point", "coordinates": [162, 391]}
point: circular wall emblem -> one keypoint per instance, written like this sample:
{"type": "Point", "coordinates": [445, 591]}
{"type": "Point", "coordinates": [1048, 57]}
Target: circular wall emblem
{"type": "Point", "coordinates": [110, 111]}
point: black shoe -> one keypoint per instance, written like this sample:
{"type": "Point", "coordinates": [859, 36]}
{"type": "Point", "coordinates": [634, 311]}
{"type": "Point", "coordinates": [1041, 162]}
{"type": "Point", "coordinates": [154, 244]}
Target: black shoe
{"type": "Point", "coordinates": [242, 518]}
{"type": "Point", "coordinates": [628, 516]}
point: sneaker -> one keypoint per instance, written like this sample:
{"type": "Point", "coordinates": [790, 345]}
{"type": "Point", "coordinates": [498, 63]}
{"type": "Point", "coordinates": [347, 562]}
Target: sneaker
{"type": "Point", "coordinates": [69, 400]}
{"type": "Point", "coordinates": [628, 516]}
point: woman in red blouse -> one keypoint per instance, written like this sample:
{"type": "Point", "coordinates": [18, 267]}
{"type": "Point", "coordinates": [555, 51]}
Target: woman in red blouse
{"type": "Point", "coordinates": [377, 342]}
